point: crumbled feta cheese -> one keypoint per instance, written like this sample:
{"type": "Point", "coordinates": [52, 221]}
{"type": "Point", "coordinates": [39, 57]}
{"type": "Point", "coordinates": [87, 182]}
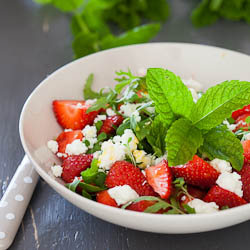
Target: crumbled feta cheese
{"type": "Point", "coordinates": [77, 147]}
{"type": "Point", "coordinates": [57, 170]}
{"type": "Point", "coordinates": [68, 130]}
{"type": "Point", "coordinates": [128, 133]}
{"type": "Point", "coordinates": [79, 105]}
{"type": "Point", "coordinates": [89, 132]}
{"type": "Point", "coordinates": [90, 101]}
{"type": "Point", "coordinates": [142, 72]}
{"type": "Point", "coordinates": [117, 139]}
{"type": "Point", "coordinates": [91, 141]}
{"type": "Point", "coordinates": [231, 182]}
{"type": "Point", "coordinates": [100, 118]}
{"type": "Point", "coordinates": [230, 127]}
{"type": "Point", "coordinates": [110, 112]}
{"type": "Point", "coordinates": [111, 152]}
{"type": "Point", "coordinates": [202, 207]}
{"type": "Point", "coordinates": [137, 116]}
{"type": "Point", "coordinates": [128, 109]}
{"type": "Point", "coordinates": [221, 165]}
{"type": "Point", "coordinates": [158, 160]}
{"type": "Point", "coordinates": [191, 83]}
{"type": "Point", "coordinates": [142, 158]}
{"type": "Point", "coordinates": [194, 94]}
{"type": "Point", "coordinates": [53, 146]}
{"type": "Point", "coordinates": [122, 194]}
{"type": "Point", "coordinates": [96, 154]}
{"type": "Point", "coordinates": [60, 155]}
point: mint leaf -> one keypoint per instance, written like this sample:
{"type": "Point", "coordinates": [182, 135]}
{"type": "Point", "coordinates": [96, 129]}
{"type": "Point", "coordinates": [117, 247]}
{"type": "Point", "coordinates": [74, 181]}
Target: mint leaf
{"type": "Point", "coordinates": [223, 144]}
{"type": "Point", "coordinates": [156, 137]}
{"type": "Point", "coordinates": [88, 93]}
{"type": "Point", "coordinates": [140, 34]}
{"type": "Point", "coordinates": [219, 102]}
{"type": "Point", "coordinates": [155, 80]}
{"type": "Point", "coordinates": [73, 185]}
{"type": "Point", "coordinates": [182, 141]}
{"type": "Point", "coordinates": [189, 209]}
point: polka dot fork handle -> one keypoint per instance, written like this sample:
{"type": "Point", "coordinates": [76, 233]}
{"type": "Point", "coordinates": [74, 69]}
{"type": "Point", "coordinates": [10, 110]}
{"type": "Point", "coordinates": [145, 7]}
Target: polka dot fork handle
{"type": "Point", "coordinates": [15, 201]}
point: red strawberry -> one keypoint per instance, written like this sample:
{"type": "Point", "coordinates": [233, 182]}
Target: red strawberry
{"type": "Point", "coordinates": [223, 197]}
{"type": "Point", "coordinates": [66, 138]}
{"type": "Point", "coordinates": [74, 165]}
{"type": "Point", "coordinates": [110, 123]}
{"type": "Point", "coordinates": [104, 198]}
{"type": "Point", "coordinates": [245, 178]}
{"type": "Point", "coordinates": [159, 177]}
{"type": "Point", "coordinates": [125, 173]}
{"type": "Point", "coordinates": [140, 206]}
{"type": "Point", "coordinates": [72, 114]}
{"type": "Point", "coordinates": [197, 173]}
{"type": "Point", "coordinates": [246, 148]}
{"type": "Point", "coordinates": [239, 112]}
{"type": "Point", "coordinates": [241, 122]}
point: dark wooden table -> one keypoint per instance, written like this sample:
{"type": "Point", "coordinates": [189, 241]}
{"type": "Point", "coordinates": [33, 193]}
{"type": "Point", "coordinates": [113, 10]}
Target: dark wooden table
{"type": "Point", "coordinates": [35, 41]}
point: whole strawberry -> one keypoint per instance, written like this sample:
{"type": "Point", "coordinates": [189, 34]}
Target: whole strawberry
{"type": "Point", "coordinates": [197, 173]}
{"type": "Point", "coordinates": [223, 197]}
{"type": "Point", "coordinates": [245, 178]}
{"type": "Point", "coordinates": [159, 177]}
{"type": "Point", "coordinates": [104, 198]}
{"type": "Point", "coordinates": [74, 165]}
{"type": "Point", "coordinates": [125, 173]}
{"type": "Point", "coordinates": [111, 123]}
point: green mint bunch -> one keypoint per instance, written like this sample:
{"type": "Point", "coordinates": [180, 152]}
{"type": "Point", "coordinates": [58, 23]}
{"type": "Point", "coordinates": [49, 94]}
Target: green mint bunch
{"type": "Point", "coordinates": [192, 128]}
{"type": "Point", "coordinates": [209, 11]}
{"type": "Point", "coordinates": [92, 21]}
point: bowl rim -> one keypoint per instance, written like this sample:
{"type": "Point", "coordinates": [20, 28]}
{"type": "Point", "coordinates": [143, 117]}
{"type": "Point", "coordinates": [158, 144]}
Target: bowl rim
{"type": "Point", "coordinates": [108, 209]}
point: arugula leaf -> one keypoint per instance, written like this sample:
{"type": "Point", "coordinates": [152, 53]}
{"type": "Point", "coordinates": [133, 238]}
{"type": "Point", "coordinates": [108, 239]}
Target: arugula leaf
{"type": "Point", "coordinates": [73, 185]}
{"type": "Point", "coordinates": [156, 207]}
{"type": "Point", "coordinates": [156, 137]}
{"type": "Point", "coordinates": [88, 93]}
{"type": "Point", "coordinates": [189, 209]}
{"type": "Point", "coordinates": [140, 34]}
{"type": "Point", "coordinates": [86, 194]}
{"type": "Point", "coordinates": [125, 125]}
{"type": "Point", "coordinates": [100, 103]}
{"type": "Point", "coordinates": [219, 102]}
{"type": "Point", "coordinates": [91, 188]}
{"type": "Point", "coordinates": [223, 144]}
{"type": "Point", "coordinates": [155, 80]}
{"type": "Point", "coordinates": [182, 141]}
{"type": "Point", "coordinates": [142, 198]}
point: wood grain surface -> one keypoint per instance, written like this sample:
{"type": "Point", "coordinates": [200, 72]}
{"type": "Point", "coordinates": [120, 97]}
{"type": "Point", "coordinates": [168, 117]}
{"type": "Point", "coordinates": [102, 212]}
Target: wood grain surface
{"type": "Point", "coordinates": [34, 41]}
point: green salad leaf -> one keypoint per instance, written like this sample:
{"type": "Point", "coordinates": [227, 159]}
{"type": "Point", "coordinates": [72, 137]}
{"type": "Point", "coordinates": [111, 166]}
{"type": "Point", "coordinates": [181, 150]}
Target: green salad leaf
{"type": "Point", "coordinates": [223, 144]}
{"type": "Point", "coordinates": [182, 141]}
{"type": "Point", "coordinates": [88, 93]}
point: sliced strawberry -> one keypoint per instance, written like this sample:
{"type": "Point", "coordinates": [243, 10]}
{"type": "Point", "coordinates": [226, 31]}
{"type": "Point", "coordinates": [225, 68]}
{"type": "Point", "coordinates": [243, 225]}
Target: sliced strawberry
{"type": "Point", "coordinates": [159, 177]}
{"type": "Point", "coordinates": [104, 198]}
{"type": "Point", "coordinates": [125, 173]}
{"type": "Point", "coordinates": [241, 122]}
{"type": "Point", "coordinates": [245, 178]}
{"type": "Point", "coordinates": [197, 173]}
{"type": "Point", "coordinates": [74, 165]}
{"type": "Point", "coordinates": [223, 197]}
{"type": "Point", "coordinates": [72, 114]}
{"type": "Point", "coordinates": [239, 112]}
{"type": "Point", "coordinates": [110, 124]}
{"type": "Point", "coordinates": [66, 138]}
{"type": "Point", "coordinates": [246, 148]}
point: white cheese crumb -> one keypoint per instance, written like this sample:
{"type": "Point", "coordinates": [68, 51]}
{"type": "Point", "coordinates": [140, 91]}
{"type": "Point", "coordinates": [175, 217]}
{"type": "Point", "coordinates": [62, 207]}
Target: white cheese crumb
{"type": "Point", "coordinates": [142, 158]}
{"type": "Point", "coordinates": [100, 118]}
{"type": "Point", "coordinates": [90, 101]}
{"type": "Point", "coordinates": [128, 109]}
{"type": "Point", "coordinates": [91, 141]}
{"type": "Point", "coordinates": [128, 133]}
{"type": "Point", "coordinates": [137, 116]}
{"type": "Point", "coordinates": [111, 152]}
{"type": "Point", "coordinates": [231, 182]}
{"type": "Point", "coordinates": [89, 132]}
{"type": "Point", "coordinates": [160, 159]}
{"type": "Point", "coordinates": [191, 83]}
{"type": "Point", "coordinates": [77, 147]}
{"type": "Point", "coordinates": [230, 127]}
{"type": "Point", "coordinates": [57, 170]}
{"type": "Point", "coordinates": [221, 165]}
{"type": "Point", "coordinates": [53, 146]}
{"type": "Point", "coordinates": [202, 207]}
{"type": "Point", "coordinates": [59, 154]}
{"type": "Point", "coordinates": [110, 112]}
{"type": "Point", "coordinates": [122, 194]}
{"type": "Point", "coordinates": [97, 154]}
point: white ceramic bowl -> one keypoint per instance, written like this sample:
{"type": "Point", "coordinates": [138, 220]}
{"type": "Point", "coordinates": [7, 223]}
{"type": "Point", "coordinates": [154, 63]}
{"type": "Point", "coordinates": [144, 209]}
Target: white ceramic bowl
{"type": "Point", "coordinates": [208, 65]}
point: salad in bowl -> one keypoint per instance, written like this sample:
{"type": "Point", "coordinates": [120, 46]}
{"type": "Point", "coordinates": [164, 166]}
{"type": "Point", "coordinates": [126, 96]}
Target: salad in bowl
{"type": "Point", "coordinates": [156, 143]}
